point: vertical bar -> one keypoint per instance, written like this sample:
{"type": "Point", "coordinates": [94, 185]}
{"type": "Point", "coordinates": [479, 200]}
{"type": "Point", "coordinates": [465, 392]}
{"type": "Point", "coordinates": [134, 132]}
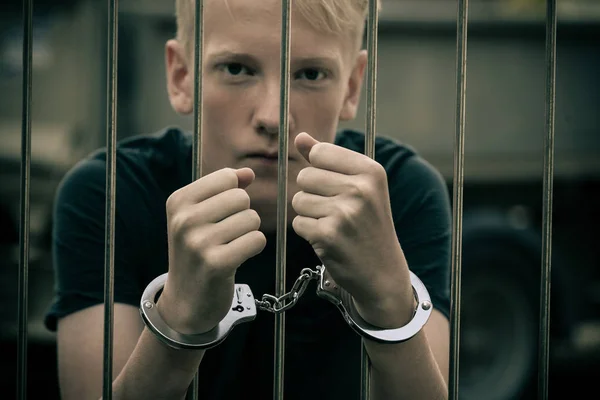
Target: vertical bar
{"type": "Point", "coordinates": [370, 133]}
{"type": "Point", "coordinates": [25, 197]}
{"type": "Point", "coordinates": [544, 336]}
{"type": "Point", "coordinates": [282, 176]}
{"type": "Point", "coordinates": [197, 145]}
{"type": "Point", "coordinates": [457, 214]}
{"type": "Point", "coordinates": [111, 152]}
{"type": "Point", "coordinates": [197, 150]}
{"type": "Point", "coordinates": [372, 30]}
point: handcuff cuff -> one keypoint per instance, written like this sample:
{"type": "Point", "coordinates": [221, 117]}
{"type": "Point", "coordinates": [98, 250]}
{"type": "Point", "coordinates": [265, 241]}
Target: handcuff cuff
{"type": "Point", "coordinates": [244, 308]}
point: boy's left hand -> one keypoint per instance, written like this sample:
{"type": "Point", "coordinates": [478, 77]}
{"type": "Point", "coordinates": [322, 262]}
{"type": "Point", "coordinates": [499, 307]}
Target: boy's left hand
{"type": "Point", "coordinates": [344, 212]}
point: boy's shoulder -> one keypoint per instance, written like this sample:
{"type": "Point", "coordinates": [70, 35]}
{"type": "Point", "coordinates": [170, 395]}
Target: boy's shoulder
{"type": "Point", "coordinates": [389, 152]}
{"type": "Point", "coordinates": [405, 167]}
{"type": "Point", "coordinates": [157, 159]}
{"type": "Point", "coordinates": [166, 146]}
{"type": "Point", "coordinates": [386, 148]}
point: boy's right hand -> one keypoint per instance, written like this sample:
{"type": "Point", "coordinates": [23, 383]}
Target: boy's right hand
{"type": "Point", "coordinates": [211, 232]}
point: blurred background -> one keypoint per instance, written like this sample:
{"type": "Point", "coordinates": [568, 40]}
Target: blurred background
{"type": "Point", "coordinates": [416, 105]}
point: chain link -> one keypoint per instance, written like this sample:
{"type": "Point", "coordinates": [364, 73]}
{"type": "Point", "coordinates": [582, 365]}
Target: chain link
{"type": "Point", "coordinates": [277, 305]}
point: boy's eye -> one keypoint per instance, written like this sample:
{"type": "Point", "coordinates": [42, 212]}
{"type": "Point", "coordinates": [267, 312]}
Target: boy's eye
{"type": "Point", "coordinates": [236, 69]}
{"type": "Point", "coordinates": [310, 74]}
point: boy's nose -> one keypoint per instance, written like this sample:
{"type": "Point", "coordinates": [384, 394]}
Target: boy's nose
{"type": "Point", "coordinates": [267, 112]}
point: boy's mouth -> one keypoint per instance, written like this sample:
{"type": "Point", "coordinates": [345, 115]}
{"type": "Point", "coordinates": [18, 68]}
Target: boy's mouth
{"type": "Point", "coordinates": [265, 155]}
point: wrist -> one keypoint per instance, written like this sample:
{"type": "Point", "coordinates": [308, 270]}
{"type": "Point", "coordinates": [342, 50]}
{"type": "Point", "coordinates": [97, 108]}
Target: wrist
{"type": "Point", "coordinates": [207, 331]}
{"type": "Point", "coordinates": [388, 310]}
{"type": "Point", "coordinates": [180, 316]}
{"type": "Point", "coordinates": [197, 309]}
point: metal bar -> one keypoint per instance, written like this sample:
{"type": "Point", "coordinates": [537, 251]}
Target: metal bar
{"type": "Point", "coordinates": [458, 185]}
{"type": "Point", "coordinates": [25, 197]}
{"type": "Point", "coordinates": [197, 140]}
{"type": "Point", "coordinates": [282, 176]}
{"type": "Point", "coordinates": [198, 46]}
{"type": "Point", "coordinates": [370, 134]}
{"type": "Point", "coordinates": [544, 336]}
{"type": "Point", "coordinates": [111, 153]}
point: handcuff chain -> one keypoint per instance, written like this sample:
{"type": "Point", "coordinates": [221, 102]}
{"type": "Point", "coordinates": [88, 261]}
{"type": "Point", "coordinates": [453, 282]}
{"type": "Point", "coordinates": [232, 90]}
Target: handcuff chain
{"type": "Point", "coordinates": [277, 305]}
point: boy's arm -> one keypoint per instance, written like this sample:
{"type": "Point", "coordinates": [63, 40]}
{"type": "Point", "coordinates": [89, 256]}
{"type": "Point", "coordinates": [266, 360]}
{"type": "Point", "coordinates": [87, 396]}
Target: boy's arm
{"type": "Point", "coordinates": [211, 232]}
{"type": "Point", "coordinates": [415, 369]}
{"type": "Point", "coordinates": [368, 226]}
{"type": "Point", "coordinates": [143, 367]}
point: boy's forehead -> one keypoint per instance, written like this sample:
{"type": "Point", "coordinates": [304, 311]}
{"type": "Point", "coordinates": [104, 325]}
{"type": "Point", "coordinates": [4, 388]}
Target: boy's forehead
{"type": "Point", "coordinates": [243, 9]}
{"type": "Point", "coordinates": [241, 26]}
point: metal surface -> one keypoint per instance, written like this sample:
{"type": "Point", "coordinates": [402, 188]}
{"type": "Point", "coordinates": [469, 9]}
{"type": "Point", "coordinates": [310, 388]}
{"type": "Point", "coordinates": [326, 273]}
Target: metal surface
{"type": "Point", "coordinates": [24, 223]}
{"type": "Point", "coordinates": [544, 337]}
{"type": "Point", "coordinates": [243, 309]}
{"type": "Point", "coordinates": [197, 140]}
{"type": "Point", "coordinates": [280, 304]}
{"type": "Point", "coordinates": [457, 203]}
{"type": "Point", "coordinates": [111, 161]}
{"type": "Point", "coordinates": [282, 176]}
{"type": "Point", "coordinates": [370, 133]}
{"type": "Point", "coordinates": [329, 290]}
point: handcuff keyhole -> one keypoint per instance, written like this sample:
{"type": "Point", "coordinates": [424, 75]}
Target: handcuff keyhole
{"type": "Point", "coordinates": [238, 308]}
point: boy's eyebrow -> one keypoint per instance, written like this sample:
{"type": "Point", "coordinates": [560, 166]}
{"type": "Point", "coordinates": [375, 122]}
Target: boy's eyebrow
{"type": "Point", "coordinates": [316, 60]}
{"type": "Point", "coordinates": [245, 57]}
{"type": "Point", "coordinates": [226, 54]}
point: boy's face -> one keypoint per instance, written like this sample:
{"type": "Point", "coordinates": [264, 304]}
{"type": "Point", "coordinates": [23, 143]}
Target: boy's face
{"type": "Point", "coordinates": [241, 87]}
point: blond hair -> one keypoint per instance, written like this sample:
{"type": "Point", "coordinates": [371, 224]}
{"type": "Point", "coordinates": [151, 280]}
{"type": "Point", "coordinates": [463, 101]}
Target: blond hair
{"type": "Point", "coordinates": [331, 16]}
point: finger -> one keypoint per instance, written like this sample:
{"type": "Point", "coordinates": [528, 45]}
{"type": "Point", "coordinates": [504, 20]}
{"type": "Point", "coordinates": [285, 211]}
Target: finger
{"type": "Point", "coordinates": [241, 249]}
{"type": "Point", "coordinates": [323, 182]}
{"type": "Point", "coordinates": [304, 143]}
{"type": "Point", "coordinates": [211, 185]}
{"type": "Point", "coordinates": [312, 205]}
{"type": "Point", "coordinates": [305, 227]}
{"type": "Point", "coordinates": [330, 156]}
{"type": "Point", "coordinates": [235, 226]}
{"type": "Point", "coordinates": [221, 206]}
{"type": "Point", "coordinates": [245, 177]}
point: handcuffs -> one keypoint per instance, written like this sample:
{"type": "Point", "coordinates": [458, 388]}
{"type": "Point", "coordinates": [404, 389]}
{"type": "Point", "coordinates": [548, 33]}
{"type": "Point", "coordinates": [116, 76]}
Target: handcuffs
{"type": "Point", "coordinates": [244, 309]}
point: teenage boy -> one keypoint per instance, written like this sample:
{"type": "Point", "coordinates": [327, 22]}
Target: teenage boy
{"type": "Point", "coordinates": [368, 221]}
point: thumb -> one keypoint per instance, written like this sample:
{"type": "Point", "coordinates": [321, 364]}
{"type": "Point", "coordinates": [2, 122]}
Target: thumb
{"type": "Point", "coordinates": [245, 177]}
{"type": "Point", "coordinates": [304, 143]}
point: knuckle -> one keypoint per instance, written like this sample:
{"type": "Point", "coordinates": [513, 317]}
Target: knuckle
{"type": "Point", "coordinates": [377, 172]}
{"type": "Point", "coordinates": [361, 188]}
{"type": "Point", "coordinates": [195, 242]}
{"type": "Point", "coordinates": [230, 177]}
{"type": "Point", "coordinates": [173, 201]}
{"type": "Point", "coordinates": [317, 150]}
{"type": "Point", "coordinates": [241, 197]}
{"type": "Point", "coordinates": [329, 233]}
{"type": "Point", "coordinates": [346, 212]}
{"type": "Point", "coordinates": [178, 223]}
{"type": "Point", "coordinates": [253, 218]}
{"type": "Point", "coordinates": [259, 240]}
{"type": "Point", "coordinates": [303, 177]}
{"type": "Point", "coordinates": [213, 262]}
{"type": "Point", "coordinates": [296, 200]}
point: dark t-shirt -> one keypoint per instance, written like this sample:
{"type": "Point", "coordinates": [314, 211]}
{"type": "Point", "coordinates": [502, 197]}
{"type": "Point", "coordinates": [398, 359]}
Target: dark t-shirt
{"type": "Point", "coordinates": [322, 358]}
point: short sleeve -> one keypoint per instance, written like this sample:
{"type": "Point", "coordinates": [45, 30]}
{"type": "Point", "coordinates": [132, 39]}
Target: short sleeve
{"type": "Point", "coordinates": [422, 217]}
{"type": "Point", "coordinates": [78, 237]}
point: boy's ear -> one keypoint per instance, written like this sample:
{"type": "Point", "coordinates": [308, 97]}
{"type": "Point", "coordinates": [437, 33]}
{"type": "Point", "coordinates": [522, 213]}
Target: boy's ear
{"type": "Point", "coordinates": [353, 90]}
{"type": "Point", "coordinates": [179, 78]}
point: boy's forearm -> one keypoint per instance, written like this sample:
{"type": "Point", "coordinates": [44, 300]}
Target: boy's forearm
{"type": "Point", "coordinates": [405, 371]}
{"type": "Point", "coordinates": [156, 371]}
